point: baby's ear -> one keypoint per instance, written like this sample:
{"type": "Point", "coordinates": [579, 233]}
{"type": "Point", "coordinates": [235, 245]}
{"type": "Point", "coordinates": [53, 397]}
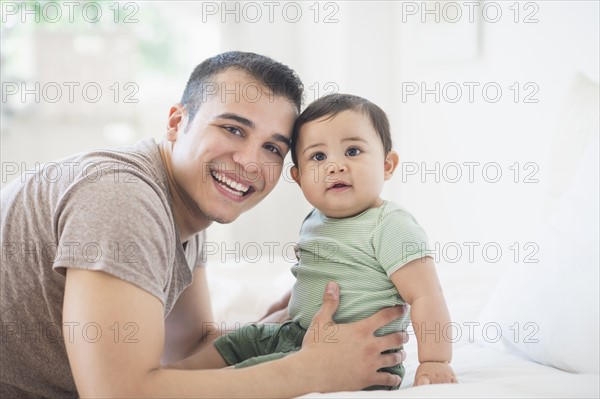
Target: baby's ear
{"type": "Point", "coordinates": [295, 172]}
{"type": "Point", "coordinates": [390, 164]}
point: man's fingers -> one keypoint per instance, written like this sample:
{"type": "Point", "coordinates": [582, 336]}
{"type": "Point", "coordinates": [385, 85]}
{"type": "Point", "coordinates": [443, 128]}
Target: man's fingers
{"type": "Point", "coordinates": [391, 359]}
{"type": "Point", "coordinates": [386, 379]}
{"type": "Point", "coordinates": [454, 380]}
{"type": "Point", "coordinates": [404, 335]}
{"type": "Point", "coordinates": [390, 341]}
{"type": "Point", "coordinates": [384, 317]}
{"type": "Point", "coordinates": [402, 352]}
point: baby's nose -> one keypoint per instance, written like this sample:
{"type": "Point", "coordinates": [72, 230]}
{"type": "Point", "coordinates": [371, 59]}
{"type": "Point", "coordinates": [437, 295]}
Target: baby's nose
{"type": "Point", "coordinates": [334, 167]}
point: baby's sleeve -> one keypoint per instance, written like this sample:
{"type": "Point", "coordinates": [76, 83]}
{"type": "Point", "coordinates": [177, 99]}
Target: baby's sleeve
{"type": "Point", "coordinates": [398, 239]}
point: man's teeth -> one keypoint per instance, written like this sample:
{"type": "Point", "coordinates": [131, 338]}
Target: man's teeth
{"type": "Point", "coordinates": [230, 185]}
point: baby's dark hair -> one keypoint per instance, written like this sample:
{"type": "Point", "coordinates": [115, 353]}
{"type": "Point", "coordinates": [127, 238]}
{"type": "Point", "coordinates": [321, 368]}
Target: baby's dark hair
{"type": "Point", "coordinates": [331, 105]}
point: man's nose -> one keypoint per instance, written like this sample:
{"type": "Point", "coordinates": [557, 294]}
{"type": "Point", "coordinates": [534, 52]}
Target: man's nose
{"type": "Point", "coordinates": [248, 157]}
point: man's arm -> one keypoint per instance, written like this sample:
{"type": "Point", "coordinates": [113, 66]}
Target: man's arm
{"type": "Point", "coordinates": [124, 359]}
{"type": "Point", "coordinates": [190, 323]}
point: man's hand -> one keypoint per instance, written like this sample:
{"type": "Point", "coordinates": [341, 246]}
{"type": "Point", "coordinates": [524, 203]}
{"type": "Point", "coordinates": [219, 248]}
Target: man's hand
{"type": "Point", "coordinates": [347, 356]}
{"type": "Point", "coordinates": [434, 373]}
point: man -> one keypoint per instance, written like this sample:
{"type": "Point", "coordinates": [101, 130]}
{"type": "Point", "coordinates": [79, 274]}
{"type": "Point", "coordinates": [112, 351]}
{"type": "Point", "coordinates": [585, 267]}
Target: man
{"type": "Point", "coordinates": [101, 268]}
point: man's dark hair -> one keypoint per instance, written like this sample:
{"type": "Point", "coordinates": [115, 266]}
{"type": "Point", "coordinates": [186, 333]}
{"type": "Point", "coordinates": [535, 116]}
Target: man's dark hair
{"type": "Point", "coordinates": [331, 105]}
{"type": "Point", "coordinates": [280, 79]}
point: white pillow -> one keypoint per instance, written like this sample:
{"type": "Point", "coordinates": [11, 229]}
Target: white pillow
{"type": "Point", "coordinates": [549, 311]}
{"type": "Point", "coordinates": [575, 126]}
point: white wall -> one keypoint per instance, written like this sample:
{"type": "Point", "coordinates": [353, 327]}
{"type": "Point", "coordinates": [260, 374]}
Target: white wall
{"type": "Point", "coordinates": [549, 53]}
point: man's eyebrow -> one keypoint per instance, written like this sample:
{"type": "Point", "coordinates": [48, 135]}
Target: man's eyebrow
{"type": "Point", "coordinates": [282, 138]}
{"type": "Point", "coordinates": [237, 118]}
{"type": "Point", "coordinates": [247, 122]}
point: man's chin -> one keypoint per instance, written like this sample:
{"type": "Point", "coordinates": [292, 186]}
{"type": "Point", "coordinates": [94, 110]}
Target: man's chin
{"type": "Point", "coordinates": [224, 219]}
{"type": "Point", "coordinates": [226, 216]}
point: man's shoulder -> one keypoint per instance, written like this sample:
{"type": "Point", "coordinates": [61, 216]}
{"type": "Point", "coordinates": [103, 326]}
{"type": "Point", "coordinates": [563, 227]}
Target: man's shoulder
{"type": "Point", "coordinates": [131, 168]}
{"type": "Point", "coordinates": [124, 182]}
{"type": "Point", "coordinates": [141, 158]}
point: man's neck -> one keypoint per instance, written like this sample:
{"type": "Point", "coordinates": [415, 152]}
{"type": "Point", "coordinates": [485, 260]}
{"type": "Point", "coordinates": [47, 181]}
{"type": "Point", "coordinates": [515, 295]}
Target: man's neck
{"type": "Point", "coordinates": [186, 222]}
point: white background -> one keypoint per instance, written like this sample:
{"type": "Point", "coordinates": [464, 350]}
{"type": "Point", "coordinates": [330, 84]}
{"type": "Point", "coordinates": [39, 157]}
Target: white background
{"type": "Point", "coordinates": [375, 49]}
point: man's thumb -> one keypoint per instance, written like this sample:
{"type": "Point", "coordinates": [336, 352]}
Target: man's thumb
{"type": "Point", "coordinates": [331, 300]}
{"type": "Point", "coordinates": [324, 316]}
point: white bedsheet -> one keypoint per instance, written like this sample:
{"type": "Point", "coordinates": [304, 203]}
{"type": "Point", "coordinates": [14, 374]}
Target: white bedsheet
{"type": "Point", "coordinates": [489, 373]}
{"type": "Point", "coordinates": [242, 292]}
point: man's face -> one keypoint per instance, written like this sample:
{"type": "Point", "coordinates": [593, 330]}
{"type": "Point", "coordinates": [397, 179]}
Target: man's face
{"type": "Point", "coordinates": [231, 154]}
{"type": "Point", "coordinates": [341, 164]}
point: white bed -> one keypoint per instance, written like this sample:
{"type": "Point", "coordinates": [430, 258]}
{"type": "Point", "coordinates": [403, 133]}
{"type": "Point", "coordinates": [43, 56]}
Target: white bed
{"type": "Point", "coordinates": [555, 301]}
{"type": "Point", "coordinates": [244, 290]}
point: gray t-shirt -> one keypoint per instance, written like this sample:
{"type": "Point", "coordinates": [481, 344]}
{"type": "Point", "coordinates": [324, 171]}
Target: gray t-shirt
{"type": "Point", "coordinates": [108, 210]}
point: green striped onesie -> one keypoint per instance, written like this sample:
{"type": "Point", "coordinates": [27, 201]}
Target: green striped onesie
{"type": "Point", "coordinates": [359, 253]}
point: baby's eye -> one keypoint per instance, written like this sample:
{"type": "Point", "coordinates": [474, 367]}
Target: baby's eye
{"type": "Point", "coordinates": [352, 152]}
{"type": "Point", "coordinates": [318, 156]}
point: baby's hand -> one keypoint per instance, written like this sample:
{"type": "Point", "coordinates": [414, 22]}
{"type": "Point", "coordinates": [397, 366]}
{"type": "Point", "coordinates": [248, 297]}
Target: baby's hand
{"type": "Point", "coordinates": [434, 373]}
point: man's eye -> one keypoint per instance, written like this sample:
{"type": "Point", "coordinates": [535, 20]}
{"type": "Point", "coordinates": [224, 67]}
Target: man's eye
{"type": "Point", "coordinates": [233, 130]}
{"type": "Point", "coordinates": [273, 149]}
{"type": "Point", "coordinates": [352, 152]}
{"type": "Point", "coordinates": [319, 156]}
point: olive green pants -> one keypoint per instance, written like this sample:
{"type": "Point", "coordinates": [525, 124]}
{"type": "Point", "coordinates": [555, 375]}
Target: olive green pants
{"type": "Point", "coordinates": [259, 343]}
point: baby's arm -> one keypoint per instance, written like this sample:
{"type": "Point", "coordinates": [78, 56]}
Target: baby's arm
{"type": "Point", "coordinates": [418, 284]}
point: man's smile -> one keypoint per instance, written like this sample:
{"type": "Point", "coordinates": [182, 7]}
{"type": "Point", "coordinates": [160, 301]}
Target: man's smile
{"type": "Point", "coordinates": [232, 185]}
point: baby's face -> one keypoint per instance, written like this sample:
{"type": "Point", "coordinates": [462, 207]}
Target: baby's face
{"type": "Point", "coordinates": [342, 165]}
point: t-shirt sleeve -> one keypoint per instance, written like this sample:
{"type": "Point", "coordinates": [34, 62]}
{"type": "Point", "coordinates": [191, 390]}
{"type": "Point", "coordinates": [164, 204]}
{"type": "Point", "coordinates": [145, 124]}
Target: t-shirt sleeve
{"type": "Point", "coordinates": [120, 225]}
{"type": "Point", "coordinates": [398, 240]}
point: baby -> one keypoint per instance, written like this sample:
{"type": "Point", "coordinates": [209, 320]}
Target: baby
{"type": "Point", "coordinates": [374, 249]}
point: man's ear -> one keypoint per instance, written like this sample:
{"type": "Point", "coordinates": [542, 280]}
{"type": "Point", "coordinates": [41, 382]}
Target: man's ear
{"type": "Point", "coordinates": [390, 164]}
{"type": "Point", "coordinates": [295, 172]}
{"type": "Point", "coordinates": [177, 121]}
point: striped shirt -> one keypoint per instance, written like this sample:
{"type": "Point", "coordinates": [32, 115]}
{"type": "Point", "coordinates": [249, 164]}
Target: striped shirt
{"type": "Point", "coordinates": [360, 253]}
